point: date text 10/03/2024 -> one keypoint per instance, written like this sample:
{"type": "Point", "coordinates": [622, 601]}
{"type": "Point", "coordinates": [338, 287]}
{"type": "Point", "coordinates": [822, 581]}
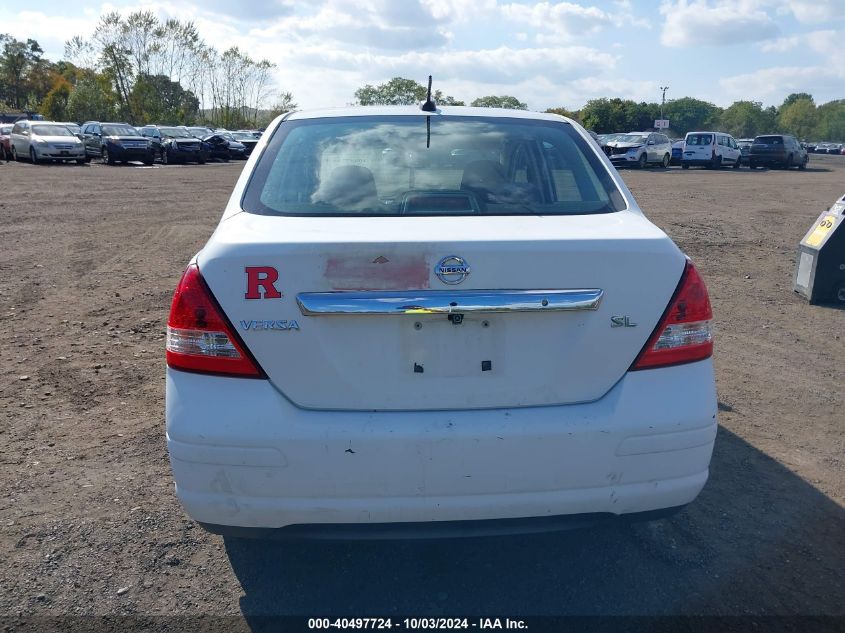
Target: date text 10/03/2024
{"type": "Point", "coordinates": [414, 624]}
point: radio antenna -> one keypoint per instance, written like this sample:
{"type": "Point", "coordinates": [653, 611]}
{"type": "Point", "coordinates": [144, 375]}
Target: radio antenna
{"type": "Point", "coordinates": [429, 105]}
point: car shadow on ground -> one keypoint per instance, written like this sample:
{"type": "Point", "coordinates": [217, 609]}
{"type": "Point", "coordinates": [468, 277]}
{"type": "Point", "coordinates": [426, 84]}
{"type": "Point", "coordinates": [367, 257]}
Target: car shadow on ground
{"type": "Point", "coordinates": [759, 540]}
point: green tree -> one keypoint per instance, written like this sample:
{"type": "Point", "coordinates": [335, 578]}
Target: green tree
{"type": "Point", "coordinates": [798, 117]}
{"type": "Point", "coordinates": [576, 115]}
{"type": "Point", "coordinates": [501, 101]}
{"type": "Point", "coordinates": [617, 115]}
{"type": "Point", "coordinates": [92, 99]}
{"type": "Point", "coordinates": [746, 119]}
{"type": "Point", "coordinates": [399, 91]}
{"type": "Point", "coordinates": [796, 96]}
{"type": "Point", "coordinates": [688, 114]}
{"type": "Point", "coordinates": [157, 98]}
{"type": "Point", "coordinates": [641, 116]}
{"type": "Point", "coordinates": [284, 103]}
{"type": "Point", "coordinates": [17, 61]}
{"type": "Point", "coordinates": [54, 106]}
{"type": "Point", "coordinates": [830, 125]}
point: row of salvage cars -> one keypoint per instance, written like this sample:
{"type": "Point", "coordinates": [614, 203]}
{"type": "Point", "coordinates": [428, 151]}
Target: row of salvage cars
{"type": "Point", "coordinates": [708, 149]}
{"type": "Point", "coordinates": [111, 143]}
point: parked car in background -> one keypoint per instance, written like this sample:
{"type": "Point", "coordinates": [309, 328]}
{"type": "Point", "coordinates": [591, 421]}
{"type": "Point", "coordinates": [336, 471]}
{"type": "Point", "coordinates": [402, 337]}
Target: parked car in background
{"type": "Point", "coordinates": [218, 147]}
{"type": "Point", "coordinates": [820, 148]}
{"type": "Point", "coordinates": [116, 143]}
{"type": "Point", "coordinates": [247, 139]}
{"type": "Point", "coordinates": [5, 141]}
{"type": "Point", "coordinates": [744, 145]}
{"type": "Point", "coordinates": [777, 150]}
{"type": "Point", "coordinates": [75, 128]}
{"type": "Point", "coordinates": [835, 148]}
{"type": "Point", "coordinates": [237, 150]}
{"type": "Point", "coordinates": [711, 150]}
{"type": "Point", "coordinates": [640, 149]}
{"type": "Point", "coordinates": [677, 152]}
{"type": "Point", "coordinates": [200, 132]}
{"type": "Point", "coordinates": [425, 393]}
{"type": "Point", "coordinates": [175, 145]}
{"type": "Point", "coordinates": [45, 141]}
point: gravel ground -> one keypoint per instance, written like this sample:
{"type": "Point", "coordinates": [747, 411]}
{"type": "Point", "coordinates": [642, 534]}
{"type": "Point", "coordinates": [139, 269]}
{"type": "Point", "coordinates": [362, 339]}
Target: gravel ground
{"type": "Point", "coordinates": [90, 525]}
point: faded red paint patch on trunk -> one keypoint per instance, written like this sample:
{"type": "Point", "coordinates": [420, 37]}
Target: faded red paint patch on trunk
{"type": "Point", "coordinates": [371, 272]}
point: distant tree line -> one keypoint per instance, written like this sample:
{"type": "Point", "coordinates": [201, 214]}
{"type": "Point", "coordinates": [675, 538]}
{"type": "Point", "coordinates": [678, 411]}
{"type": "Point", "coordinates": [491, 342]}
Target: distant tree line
{"type": "Point", "coordinates": [140, 69]}
{"type": "Point", "coordinates": [403, 91]}
{"type": "Point", "coordinates": [798, 115]}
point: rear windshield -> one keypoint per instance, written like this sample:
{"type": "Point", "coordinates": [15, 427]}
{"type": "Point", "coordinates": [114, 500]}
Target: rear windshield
{"type": "Point", "coordinates": [699, 139]}
{"type": "Point", "coordinates": [51, 130]}
{"type": "Point", "coordinates": [769, 140]}
{"type": "Point", "coordinates": [396, 165]}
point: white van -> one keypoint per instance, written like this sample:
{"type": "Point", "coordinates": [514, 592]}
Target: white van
{"type": "Point", "coordinates": [711, 150]}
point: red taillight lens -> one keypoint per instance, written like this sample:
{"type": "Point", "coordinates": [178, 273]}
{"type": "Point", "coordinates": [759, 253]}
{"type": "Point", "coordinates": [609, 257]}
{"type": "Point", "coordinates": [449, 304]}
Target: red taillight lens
{"type": "Point", "coordinates": [684, 334]}
{"type": "Point", "coordinates": [199, 336]}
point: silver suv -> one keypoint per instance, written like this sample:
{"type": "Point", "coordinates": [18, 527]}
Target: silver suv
{"type": "Point", "coordinates": [640, 149]}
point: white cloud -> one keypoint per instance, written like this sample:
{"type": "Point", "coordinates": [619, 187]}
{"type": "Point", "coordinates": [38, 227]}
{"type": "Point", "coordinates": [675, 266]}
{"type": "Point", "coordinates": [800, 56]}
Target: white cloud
{"type": "Point", "coordinates": [461, 11]}
{"type": "Point", "coordinates": [781, 44]}
{"type": "Point", "coordinates": [51, 31]}
{"type": "Point", "coordinates": [503, 66]}
{"type": "Point", "coordinates": [565, 19]}
{"type": "Point", "coordinates": [816, 11]}
{"type": "Point", "coordinates": [827, 43]}
{"type": "Point", "coordinates": [721, 22]}
{"type": "Point", "coordinates": [774, 84]}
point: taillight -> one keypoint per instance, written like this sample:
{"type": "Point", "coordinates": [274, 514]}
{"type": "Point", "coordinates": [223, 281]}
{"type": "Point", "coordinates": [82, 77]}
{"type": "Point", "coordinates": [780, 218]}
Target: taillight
{"type": "Point", "coordinates": [200, 337]}
{"type": "Point", "coordinates": [684, 334]}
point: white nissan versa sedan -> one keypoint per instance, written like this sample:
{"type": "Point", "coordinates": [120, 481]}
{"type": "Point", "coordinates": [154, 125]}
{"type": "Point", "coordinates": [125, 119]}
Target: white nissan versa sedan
{"type": "Point", "coordinates": [445, 322]}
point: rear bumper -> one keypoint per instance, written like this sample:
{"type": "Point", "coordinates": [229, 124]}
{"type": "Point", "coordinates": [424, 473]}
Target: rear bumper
{"type": "Point", "coordinates": [756, 159]}
{"type": "Point", "coordinates": [439, 529]}
{"type": "Point", "coordinates": [53, 154]}
{"type": "Point", "coordinates": [243, 456]}
{"type": "Point", "coordinates": [697, 162]}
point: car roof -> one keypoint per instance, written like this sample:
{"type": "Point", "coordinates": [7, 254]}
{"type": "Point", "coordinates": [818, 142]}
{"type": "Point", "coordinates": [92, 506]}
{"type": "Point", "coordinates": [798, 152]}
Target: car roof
{"type": "Point", "coordinates": [452, 111]}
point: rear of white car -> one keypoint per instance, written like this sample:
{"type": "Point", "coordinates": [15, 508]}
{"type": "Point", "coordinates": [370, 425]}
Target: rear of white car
{"type": "Point", "coordinates": [710, 149]}
{"type": "Point", "coordinates": [408, 318]}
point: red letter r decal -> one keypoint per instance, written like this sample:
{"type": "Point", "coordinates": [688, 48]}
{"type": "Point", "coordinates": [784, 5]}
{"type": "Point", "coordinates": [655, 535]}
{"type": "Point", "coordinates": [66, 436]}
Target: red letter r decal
{"type": "Point", "coordinates": [263, 277]}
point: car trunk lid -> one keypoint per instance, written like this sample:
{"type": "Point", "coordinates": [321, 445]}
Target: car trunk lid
{"type": "Point", "coordinates": [605, 279]}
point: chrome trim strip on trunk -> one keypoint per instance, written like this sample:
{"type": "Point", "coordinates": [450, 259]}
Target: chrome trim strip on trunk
{"type": "Point", "coordinates": [446, 301]}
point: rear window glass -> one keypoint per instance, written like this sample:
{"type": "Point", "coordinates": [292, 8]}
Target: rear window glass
{"type": "Point", "coordinates": [699, 139]}
{"type": "Point", "coordinates": [769, 140]}
{"type": "Point", "coordinates": [461, 166]}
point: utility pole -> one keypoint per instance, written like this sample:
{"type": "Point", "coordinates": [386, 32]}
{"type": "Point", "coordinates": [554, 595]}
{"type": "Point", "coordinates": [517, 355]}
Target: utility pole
{"type": "Point", "coordinates": [663, 101]}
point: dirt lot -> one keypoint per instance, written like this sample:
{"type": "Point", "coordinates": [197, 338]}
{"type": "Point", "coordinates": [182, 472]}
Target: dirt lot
{"type": "Point", "coordinates": [90, 525]}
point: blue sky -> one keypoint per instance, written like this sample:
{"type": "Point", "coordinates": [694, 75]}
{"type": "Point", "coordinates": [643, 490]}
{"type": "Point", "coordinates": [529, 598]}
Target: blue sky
{"type": "Point", "coordinates": [545, 53]}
